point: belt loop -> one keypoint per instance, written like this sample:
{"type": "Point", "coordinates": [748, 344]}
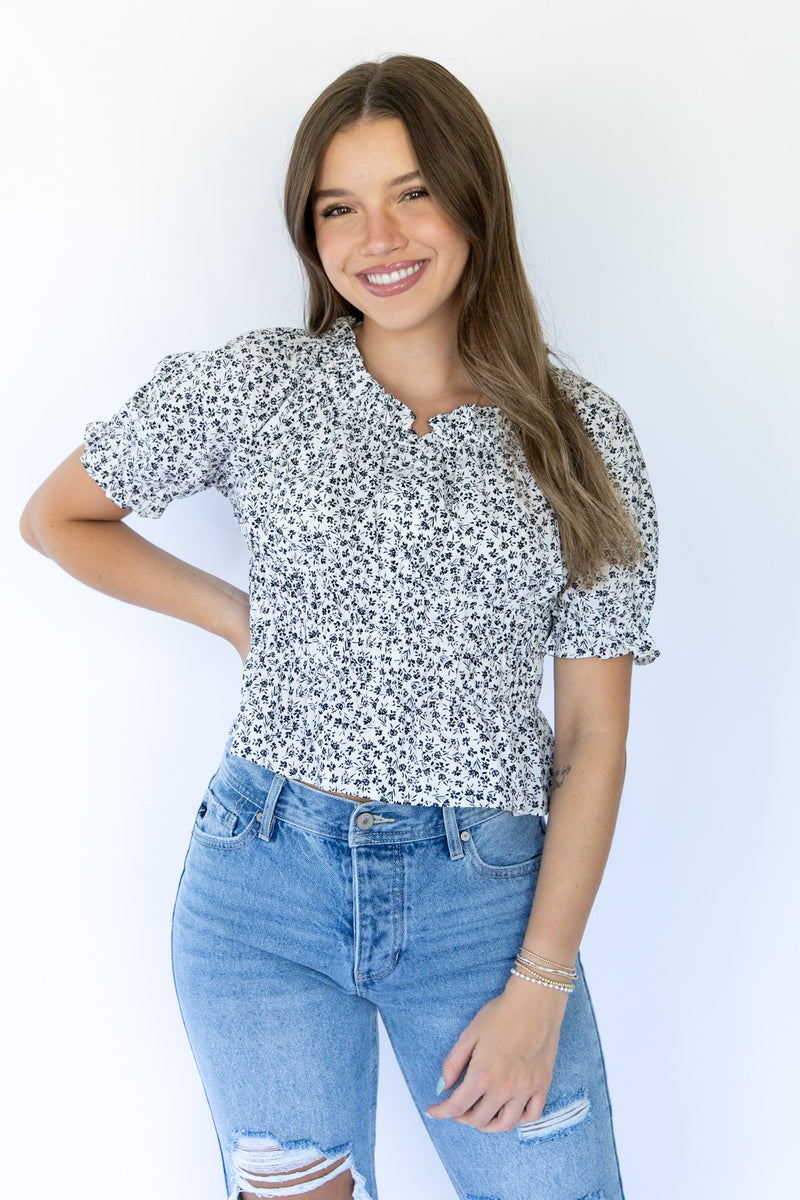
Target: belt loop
{"type": "Point", "coordinates": [268, 813]}
{"type": "Point", "coordinates": [451, 829]}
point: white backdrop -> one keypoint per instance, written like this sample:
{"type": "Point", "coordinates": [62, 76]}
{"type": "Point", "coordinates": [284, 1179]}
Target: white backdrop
{"type": "Point", "coordinates": [653, 155]}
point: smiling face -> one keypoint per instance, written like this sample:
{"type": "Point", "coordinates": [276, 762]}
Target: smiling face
{"type": "Point", "coordinates": [384, 242]}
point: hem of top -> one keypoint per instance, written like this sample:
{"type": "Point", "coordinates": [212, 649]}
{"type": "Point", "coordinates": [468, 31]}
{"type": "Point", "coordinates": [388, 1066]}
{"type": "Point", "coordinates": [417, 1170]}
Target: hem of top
{"type": "Point", "coordinates": [647, 657]}
{"type": "Point", "coordinates": [643, 654]}
{"type": "Point", "coordinates": [536, 809]}
{"type": "Point", "coordinates": [109, 489]}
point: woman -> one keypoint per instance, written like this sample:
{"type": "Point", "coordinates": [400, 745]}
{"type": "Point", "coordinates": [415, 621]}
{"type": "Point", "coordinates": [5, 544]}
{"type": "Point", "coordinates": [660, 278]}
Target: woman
{"type": "Point", "coordinates": [431, 507]}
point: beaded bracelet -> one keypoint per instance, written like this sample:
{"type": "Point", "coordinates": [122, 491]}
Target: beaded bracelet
{"type": "Point", "coordinates": [535, 968]}
{"type": "Point", "coordinates": [546, 964]}
{"type": "Point", "coordinates": [543, 980]}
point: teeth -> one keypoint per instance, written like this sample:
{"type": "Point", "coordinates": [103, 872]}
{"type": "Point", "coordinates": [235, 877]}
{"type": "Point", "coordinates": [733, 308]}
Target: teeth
{"type": "Point", "coordinates": [395, 276]}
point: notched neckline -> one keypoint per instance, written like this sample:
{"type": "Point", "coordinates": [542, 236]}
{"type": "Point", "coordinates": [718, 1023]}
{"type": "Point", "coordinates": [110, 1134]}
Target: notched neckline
{"type": "Point", "coordinates": [454, 416]}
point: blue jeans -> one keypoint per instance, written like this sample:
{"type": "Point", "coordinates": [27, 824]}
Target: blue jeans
{"type": "Point", "coordinates": [300, 916]}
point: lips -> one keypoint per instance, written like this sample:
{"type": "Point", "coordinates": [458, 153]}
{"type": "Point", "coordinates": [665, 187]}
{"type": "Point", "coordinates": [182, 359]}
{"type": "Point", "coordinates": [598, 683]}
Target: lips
{"type": "Point", "coordinates": [389, 279]}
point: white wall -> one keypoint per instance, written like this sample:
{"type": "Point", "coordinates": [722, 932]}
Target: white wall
{"type": "Point", "coordinates": [651, 148]}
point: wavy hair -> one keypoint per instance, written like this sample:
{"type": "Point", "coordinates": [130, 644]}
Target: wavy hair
{"type": "Point", "coordinates": [500, 339]}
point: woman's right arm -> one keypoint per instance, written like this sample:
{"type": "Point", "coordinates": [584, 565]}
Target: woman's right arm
{"type": "Point", "coordinates": [71, 520]}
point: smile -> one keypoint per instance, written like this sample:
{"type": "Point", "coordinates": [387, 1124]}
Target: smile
{"type": "Point", "coordinates": [393, 278]}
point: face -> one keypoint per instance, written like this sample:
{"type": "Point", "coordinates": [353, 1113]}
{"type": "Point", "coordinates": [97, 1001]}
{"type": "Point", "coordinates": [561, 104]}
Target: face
{"type": "Point", "coordinates": [384, 243]}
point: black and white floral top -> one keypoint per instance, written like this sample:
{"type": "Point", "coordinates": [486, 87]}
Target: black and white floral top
{"type": "Point", "coordinates": [404, 590]}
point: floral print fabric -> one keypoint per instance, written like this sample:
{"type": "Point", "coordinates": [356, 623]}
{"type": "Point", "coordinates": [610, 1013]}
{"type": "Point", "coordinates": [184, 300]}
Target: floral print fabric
{"type": "Point", "coordinates": [404, 590]}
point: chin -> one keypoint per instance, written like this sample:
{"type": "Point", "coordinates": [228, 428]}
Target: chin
{"type": "Point", "coordinates": [405, 321]}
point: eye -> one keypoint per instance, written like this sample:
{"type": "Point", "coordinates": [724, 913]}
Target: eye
{"type": "Point", "coordinates": [415, 193]}
{"type": "Point", "coordinates": [333, 210]}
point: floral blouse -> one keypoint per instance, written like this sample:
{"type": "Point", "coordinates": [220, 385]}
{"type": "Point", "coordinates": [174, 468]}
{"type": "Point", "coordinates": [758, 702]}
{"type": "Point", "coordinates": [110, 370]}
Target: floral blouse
{"type": "Point", "coordinates": [404, 589]}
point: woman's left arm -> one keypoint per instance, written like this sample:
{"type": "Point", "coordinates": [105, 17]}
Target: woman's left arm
{"type": "Point", "coordinates": [509, 1048]}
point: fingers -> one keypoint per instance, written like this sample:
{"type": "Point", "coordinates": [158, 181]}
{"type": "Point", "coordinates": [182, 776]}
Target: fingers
{"type": "Point", "coordinates": [513, 1112]}
{"type": "Point", "coordinates": [456, 1062]}
{"type": "Point", "coordinates": [464, 1097]}
{"type": "Point", "coordinates": [508, 1117]}
{"type": "Point", "coordinates": [493, 1084]}
{"type": "Point", "coordinates": [490, 1106]}
{"type": "Point", "coordinates": [485, 1117]}
{"type": "Point", "coordinates": [533, 1109]}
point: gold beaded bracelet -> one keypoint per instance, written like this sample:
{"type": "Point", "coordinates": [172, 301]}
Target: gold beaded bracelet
{"type": "Point", "coordinates": [537, 969]}
{"type": "Point", "coordinates": [546, 964]}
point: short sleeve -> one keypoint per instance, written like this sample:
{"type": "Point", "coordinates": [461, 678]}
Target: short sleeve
{"type": "Point", "coordinates": [611, 618]}
{"type": "Point", "coordinates": [172, 438]}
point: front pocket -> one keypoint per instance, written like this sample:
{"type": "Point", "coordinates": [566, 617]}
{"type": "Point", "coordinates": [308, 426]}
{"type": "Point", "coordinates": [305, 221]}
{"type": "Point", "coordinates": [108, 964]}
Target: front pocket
{"type": "Point", "coordinates": [505, 845]}
{"type": "Point", "coordinates": [225, 817]}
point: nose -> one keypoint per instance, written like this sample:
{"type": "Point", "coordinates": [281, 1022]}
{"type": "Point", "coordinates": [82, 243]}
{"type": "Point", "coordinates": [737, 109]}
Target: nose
{"type": "Point", "coordinates": [381, 233]}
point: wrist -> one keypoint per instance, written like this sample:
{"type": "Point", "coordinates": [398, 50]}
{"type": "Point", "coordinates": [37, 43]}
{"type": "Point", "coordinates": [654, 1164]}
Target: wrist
{"type": "Point", "coordinates": [531, 996]}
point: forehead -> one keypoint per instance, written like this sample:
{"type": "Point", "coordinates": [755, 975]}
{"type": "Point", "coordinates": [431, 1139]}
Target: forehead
{"type": "Point", "coordinates": [376, 150]}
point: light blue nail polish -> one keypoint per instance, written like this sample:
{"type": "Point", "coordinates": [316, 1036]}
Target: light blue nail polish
{"type": "Point", "coordinates": [440, 1086]}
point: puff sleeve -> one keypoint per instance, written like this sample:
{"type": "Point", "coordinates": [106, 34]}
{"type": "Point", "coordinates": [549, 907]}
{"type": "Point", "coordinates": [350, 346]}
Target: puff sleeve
{"type": "Point", "coordinates": [173, 437]}
{"type": "Point", "coordinates": [611, 618]}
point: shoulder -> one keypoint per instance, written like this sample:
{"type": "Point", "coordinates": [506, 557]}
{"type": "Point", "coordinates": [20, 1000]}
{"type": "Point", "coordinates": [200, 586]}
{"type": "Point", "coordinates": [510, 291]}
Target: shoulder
{"type": "Point", "coordinates": [256, 371]}
{"type": "Point", "coordinates": [247, 381]}
{"type": "Point", "coordinates": [242, 383]}
{"type": "Point", "coordinates": [605, 420]}
{"type": "Point", "coordinates": [604, 417]}
{"type": "Point", "coordinates": [282, 352]}
{"type": "Point", "coordinates": [264, 354]}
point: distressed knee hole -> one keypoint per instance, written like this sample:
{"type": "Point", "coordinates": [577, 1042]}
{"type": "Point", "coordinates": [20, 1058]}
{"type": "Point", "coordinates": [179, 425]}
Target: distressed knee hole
{"type": "Point", "coordinates": [265, 1168]}
{"type": "Point", "coordinates": [557, 1119]}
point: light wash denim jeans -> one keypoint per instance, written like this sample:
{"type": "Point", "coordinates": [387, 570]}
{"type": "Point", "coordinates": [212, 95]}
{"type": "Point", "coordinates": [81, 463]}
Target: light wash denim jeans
{"type": "Point", "coordinates": [300, 916]}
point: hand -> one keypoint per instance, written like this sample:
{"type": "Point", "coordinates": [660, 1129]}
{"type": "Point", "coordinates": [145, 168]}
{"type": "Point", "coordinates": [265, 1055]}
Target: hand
{"type": "Point", "coordinates": [508, 1050]}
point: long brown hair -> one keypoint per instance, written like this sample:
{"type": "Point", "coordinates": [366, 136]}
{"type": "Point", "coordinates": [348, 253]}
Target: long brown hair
{"type": "Point", "coordinates": [500, 338]}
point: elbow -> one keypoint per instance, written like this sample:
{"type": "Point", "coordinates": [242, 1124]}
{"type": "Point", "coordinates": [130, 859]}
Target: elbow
{"type": "Point", "coordinates": [27, 528]}
{"type": "Point", "coordinates": [609, 733]}
{"type": "Point", "coordinates": [33, 524]}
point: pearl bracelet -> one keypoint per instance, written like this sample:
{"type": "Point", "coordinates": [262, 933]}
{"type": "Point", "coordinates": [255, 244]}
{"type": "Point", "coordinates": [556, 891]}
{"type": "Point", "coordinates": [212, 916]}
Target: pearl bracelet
{"type": "Point", "coordinates": [537, 978]}
{"type": "Point", "coordinates": [538, 969]}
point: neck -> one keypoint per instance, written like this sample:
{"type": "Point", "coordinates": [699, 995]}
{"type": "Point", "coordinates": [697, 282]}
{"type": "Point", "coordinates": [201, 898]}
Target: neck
{"type": "Point", "coordinates": [420, 364]}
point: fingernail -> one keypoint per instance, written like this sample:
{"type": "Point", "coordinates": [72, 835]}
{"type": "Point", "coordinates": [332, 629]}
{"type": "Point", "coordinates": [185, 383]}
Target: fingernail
{"type": "Point", "coordinates": [440, 1086]}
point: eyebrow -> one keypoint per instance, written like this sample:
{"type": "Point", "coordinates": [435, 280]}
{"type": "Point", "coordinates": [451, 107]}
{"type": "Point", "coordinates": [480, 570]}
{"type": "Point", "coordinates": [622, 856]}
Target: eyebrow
{"type": "Point", "coordinates": [328, 193]}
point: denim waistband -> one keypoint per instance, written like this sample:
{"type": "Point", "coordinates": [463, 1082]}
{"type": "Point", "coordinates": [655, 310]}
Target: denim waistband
{"type": "Point", "coordinates": [370, 822]}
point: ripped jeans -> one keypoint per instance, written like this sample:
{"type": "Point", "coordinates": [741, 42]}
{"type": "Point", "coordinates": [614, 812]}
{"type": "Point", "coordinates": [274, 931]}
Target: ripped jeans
{"type": "Point", "coordinates": [301, 916]}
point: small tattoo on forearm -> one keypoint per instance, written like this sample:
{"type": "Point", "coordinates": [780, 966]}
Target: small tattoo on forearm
{"type": "Point", "coordinates": [560, 776]}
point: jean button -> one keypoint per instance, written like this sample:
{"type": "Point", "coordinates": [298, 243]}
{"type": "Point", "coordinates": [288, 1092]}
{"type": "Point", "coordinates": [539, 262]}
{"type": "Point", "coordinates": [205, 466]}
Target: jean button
{"type": "Point", "coordinates": [466, 835]}
{"type": "Point", "coordinates": [365, 821]}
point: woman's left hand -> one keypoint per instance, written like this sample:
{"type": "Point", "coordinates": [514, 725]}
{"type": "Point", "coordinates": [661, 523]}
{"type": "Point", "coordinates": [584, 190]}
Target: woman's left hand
{"type": "Point", "coordinates": [508, 1050]}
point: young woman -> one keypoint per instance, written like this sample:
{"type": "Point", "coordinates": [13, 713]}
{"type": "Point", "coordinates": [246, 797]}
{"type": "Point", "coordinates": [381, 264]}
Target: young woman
{"type": "Point", "coordinates": [431, 507]}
